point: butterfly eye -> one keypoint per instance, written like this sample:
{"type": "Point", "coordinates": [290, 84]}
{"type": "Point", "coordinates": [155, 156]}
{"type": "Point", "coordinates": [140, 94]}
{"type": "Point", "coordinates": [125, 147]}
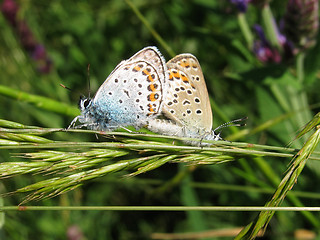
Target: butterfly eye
{"type": "Point", "coordinates": [86, 102]}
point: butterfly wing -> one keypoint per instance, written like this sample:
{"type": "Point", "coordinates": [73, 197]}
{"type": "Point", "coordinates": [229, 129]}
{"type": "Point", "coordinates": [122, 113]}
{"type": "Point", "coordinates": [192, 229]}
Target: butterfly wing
{"type": "Point", "coordinates": [187, 101]}
{"type": "Point", "coordinates": [134, 91]}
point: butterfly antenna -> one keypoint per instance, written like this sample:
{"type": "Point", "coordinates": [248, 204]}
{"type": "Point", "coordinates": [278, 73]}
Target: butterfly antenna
{"type": "Point", "coordinates": [66, 87]}
{"type": "Point", "coordinates": [88, 79]}
{"type": "Point", "coordinates": [233, 123]}
{"type": "Point", "coordinates": [70, 89]}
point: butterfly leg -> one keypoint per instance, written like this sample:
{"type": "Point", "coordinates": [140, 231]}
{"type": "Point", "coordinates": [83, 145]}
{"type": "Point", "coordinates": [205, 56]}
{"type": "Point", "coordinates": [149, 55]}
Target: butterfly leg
{"type": "Point", "coordinates": [128, 130]}
{"type": "Point", "coordinates": [73, 123]}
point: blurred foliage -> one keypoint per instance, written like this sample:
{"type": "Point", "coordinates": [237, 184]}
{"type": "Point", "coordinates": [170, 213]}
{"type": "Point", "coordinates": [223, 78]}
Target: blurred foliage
{"type": "Point", "coordinates": [76, 33]}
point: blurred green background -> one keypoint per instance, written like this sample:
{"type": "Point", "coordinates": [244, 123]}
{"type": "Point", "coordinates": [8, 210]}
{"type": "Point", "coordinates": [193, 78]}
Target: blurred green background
{"type": "Point", "coordinates": [77, 33]}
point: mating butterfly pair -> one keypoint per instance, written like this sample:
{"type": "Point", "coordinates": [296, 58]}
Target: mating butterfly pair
{"type": "Point", "coordinates": [144, 87]}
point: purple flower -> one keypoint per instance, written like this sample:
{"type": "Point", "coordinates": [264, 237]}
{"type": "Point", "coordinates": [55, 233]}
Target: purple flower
{"type": "Point", "coordinates": [44, 64]}
{"type": "Point", "coordinates": [265, 52]}
{"type": "Point", "coordinates": [9, 8]}
{"type": "Point", "coordinates": [301, 22]}
{"type": "Point", "coordinates": [242, 5]}
{"type": "Point", "coordinates": [39, 52]}
{"type": "Point", "coordinates": [263, 49]}
{"type": "Point", "coordinates": [259, 31]}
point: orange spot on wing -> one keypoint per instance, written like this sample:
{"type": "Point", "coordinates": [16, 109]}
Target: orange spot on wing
{"type": "Point", "coordinates": [184, 64]}
{"type": "Point", "coordinates": [151, 109]}
{"type": "Point", "coordinates": [170, 76]}
{"type": "Point", "coordinates": [152, 88]}
{"type": "Point", "coordinates": [137, 68]}
{"type": "Point", "coordinates": [184, 79]}
{"type": "Point", "coordinates": [176, 75]}
{"type": "Point", "coordinates": [152, 97]}
{"type": "Point", "coordinates": [150, 78]}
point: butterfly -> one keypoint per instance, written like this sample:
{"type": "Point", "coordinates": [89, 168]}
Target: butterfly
{"type": "Point", "coordinates": [187, 106]}
{"type": "Point", "coordinates": [131, 95]}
